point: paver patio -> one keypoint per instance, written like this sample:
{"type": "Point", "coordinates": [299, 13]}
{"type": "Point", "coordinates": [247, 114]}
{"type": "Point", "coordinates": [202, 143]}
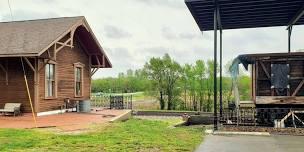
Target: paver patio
{"type": "Point", "coordinates": [66, 121]}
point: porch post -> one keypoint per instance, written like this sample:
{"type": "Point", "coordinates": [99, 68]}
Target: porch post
{"type": "Point", "coordinates": [27, 87]}
{"type": "Point", "coordinates": [36, 85]}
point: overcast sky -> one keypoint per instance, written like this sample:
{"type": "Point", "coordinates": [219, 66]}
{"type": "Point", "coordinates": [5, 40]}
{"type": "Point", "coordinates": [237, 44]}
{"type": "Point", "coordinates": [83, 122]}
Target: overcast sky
{"type": "Point", "coordinates": [132, 31]}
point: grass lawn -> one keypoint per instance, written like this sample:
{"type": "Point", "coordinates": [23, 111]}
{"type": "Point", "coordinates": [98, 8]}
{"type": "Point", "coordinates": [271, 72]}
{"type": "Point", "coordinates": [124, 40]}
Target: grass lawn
{"type": "Point", "coordinates": [135, 95]}
{"type": "Point", "coordinates": [132, 135]}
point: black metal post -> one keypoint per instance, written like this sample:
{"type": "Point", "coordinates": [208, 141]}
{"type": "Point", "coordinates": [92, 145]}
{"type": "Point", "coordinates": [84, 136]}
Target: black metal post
{"type": "Point", "coordinates": [221, 78]}
{"type": "Point", "coordinates": [289, 36]}
{"type": "Point", "coordinates": [215, 67]}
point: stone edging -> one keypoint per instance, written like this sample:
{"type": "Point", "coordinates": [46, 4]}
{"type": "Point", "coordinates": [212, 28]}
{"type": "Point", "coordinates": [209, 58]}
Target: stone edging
{"type": "Point", "coordinates": [125, 116]}
{"type": "Point", "coordinates": [237, 133]}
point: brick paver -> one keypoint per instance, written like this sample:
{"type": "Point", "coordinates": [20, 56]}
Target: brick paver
{"type": "Point", "coordinates": [67, 121]}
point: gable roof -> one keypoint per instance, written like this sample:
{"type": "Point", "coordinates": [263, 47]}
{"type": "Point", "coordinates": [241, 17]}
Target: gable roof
{"type": "Point", "coordinates": [34, 37]}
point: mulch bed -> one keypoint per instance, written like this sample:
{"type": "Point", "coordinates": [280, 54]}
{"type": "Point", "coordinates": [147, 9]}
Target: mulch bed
{"type": "Point", "coordinates": [271, 130]}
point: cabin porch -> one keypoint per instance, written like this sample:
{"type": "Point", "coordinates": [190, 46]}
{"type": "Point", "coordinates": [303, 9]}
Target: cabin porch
{"type": "Point", "coordinates": [12, 82]}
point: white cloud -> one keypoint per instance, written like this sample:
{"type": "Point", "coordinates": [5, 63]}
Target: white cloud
{"type": "Point", "coordinates": [115, 32]}
{"type": "Point", "coordinates": [163, 3]}
{"type": "Point", "coordinates": [132, 31]}
{"type": "Point", "coordinates": [168, 33]}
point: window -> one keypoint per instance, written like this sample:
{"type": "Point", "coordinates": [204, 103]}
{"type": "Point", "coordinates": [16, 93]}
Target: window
{"type": "Point", "coordinates": [78, 81]}
{"type": "Point", "coordinates": [50, 80]}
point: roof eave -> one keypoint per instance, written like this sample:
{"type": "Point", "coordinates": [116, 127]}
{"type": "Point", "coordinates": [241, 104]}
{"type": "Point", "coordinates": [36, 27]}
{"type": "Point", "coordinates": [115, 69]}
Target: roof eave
{"type": "Point", "coordinates": [19, 55]}
{"type": "Point", "coordinates": [96, 41]}
{"type": "Point", "coordinates": [193, 14]}
{"type": "Point", "coordinates": [81, 21]}
{"type": "Point", "coordinates": [275, 54]}
{"type": "Point", "coordinates": [285, 12]}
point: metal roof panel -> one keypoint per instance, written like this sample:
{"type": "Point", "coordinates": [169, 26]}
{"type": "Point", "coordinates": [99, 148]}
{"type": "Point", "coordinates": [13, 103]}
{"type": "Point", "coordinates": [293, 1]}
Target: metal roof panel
{"type": "Point", "coordinates": [245, 13]}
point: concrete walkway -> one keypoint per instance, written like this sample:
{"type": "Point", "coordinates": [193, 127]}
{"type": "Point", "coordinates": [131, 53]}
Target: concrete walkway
{"type": "Point", "coordinates": [242, 143]}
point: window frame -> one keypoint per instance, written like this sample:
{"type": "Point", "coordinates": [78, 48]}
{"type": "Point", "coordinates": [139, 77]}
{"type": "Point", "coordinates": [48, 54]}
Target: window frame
{"type": "Point", "coordinates": [54, 81]}
{"type": "Point", "coordinates": [81, 67]}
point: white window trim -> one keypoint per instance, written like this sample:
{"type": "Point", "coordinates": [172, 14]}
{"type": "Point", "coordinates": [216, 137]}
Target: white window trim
{"type": "Point", "coordinates": [55, 81]}
{"type": "Point", "coordinates": [81, 66]}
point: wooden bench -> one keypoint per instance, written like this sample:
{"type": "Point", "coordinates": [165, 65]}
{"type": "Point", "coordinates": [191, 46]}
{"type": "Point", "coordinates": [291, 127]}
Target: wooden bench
{"type": "Point", "coordinates": [13, 108]}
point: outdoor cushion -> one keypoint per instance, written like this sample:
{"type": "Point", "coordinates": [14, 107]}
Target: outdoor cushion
{"type": "Point", "coordinates": [7, 110]}
{"type": "Point", "coordinates": [12, 108]}
{"type": "Point", "coordinates": [12, 105]}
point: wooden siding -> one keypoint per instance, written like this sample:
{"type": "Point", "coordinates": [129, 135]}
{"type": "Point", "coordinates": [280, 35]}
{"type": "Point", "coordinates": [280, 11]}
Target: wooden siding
{"type": "Point", "coordinates": [15, 89]}
{"type": "Point", "coordinates": [263, 82]}
{"type": "Point", "coordinates": [65, 77]}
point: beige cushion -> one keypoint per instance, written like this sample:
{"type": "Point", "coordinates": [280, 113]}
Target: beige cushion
{"type": "Point", "coordinates": [7, 110]}
{"type": "Point", "coordinates": [10, 107]}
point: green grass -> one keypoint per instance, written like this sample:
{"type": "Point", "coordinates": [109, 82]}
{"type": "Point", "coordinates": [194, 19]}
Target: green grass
{"type": "Point", "coordinates": [158, 110]}
{"type": "Point", "coordinates": [132, 135]}
{"type": "Point", "coordinates": [139, 96]}
{"type": "Point", "coordinates": [135, 95]}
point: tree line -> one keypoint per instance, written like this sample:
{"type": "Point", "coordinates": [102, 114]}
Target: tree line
{"type": "Point", "coordinates": [177, 87]}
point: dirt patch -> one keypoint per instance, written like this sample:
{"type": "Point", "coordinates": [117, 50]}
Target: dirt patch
{"type": "Point", "coordinates": [145, 104]}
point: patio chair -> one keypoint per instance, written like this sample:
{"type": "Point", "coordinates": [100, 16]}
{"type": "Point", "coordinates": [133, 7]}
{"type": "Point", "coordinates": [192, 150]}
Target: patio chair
{"type": "Point", "coordinates": [13, 108]}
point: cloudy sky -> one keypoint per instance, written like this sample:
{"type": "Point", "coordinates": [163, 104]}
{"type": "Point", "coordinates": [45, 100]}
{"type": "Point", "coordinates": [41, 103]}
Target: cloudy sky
{"type": "Point", "coordinates": [132, 31]}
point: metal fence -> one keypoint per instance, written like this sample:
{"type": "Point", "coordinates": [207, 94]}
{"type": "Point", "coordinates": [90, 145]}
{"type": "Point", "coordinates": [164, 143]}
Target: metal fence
{"type": "Point", "coordinates": [244, 116]}
{"type": "Point", "coordinates": [100, 101]}
{"type": "Point", "coordinates": [112, 101]}
{"type": "Point", "coordinates": [291, 117]}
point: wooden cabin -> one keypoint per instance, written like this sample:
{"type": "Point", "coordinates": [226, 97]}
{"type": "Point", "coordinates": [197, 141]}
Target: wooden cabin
{"type": "Point", "coordinates": [58, 57]}
{"type": "Point", "coordinates": [277, 78]}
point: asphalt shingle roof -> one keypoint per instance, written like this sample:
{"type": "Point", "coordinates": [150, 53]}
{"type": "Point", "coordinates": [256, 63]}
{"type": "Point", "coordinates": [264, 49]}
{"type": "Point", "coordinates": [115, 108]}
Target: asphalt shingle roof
{"type": "Point", "coordinates": [32, 36]}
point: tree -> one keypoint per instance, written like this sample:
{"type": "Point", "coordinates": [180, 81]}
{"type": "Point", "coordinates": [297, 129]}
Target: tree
{"type": "Point", "coordinates": [191, 84]}
{"type": "Point", "coordinates": [200, 74]}
{"type": "Point", "coordinates": [172, 71]}
{"type": "Point", "coordinates": [184, 83]}
{"type": "Point", "coordinates": [186, 87]}
{"type": "Point", "coordinates": [209, 84]}
{"type": "Point", "coordinates": [165, 73]}
{"type": "Point", "coordinates": [155, 72]}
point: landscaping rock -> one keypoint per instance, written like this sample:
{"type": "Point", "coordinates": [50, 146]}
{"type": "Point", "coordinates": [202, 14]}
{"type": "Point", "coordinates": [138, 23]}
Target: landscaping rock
{"type": "Point", "coordinates": [200, 120]}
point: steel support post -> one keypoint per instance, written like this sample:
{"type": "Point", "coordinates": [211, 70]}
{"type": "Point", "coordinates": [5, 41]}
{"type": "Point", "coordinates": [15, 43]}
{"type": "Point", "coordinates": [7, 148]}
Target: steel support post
{"type": "Point", "coordinates": [289, 36]}
{"type": "Point", "coordinates": [221, 76]}
{"type": "Point", "coordinates": [215, 66]}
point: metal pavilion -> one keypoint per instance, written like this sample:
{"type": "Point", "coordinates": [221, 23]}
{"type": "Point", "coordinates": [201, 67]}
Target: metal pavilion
{"type": "Point", "coordinates": [236, 14]}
